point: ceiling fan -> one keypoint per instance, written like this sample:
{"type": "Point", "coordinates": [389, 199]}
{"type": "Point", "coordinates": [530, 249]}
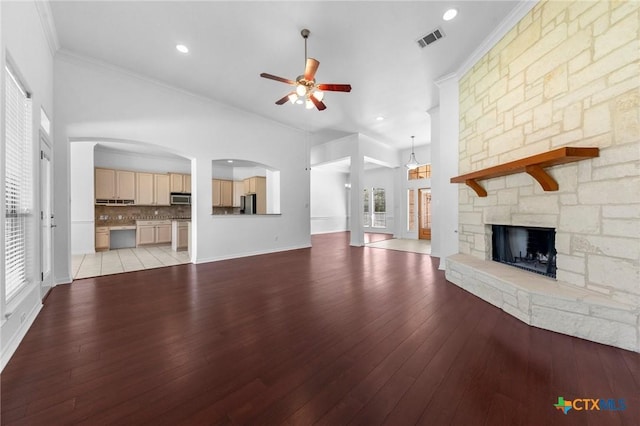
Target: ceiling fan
{"type": "Point", "coordinates": [306, 90]}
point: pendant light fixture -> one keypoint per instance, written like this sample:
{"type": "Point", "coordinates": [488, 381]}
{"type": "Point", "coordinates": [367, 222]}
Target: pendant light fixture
{"type": "Point", "coordinates": [413, 163]}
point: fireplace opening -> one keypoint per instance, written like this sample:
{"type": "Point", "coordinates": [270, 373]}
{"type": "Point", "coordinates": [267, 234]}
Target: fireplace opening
{"type": "Point", "coordinates": [529, 248]}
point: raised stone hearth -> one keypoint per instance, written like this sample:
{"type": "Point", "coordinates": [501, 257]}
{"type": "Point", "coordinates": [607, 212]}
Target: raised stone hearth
{"type": "Point", "coordinates": [546, 303]}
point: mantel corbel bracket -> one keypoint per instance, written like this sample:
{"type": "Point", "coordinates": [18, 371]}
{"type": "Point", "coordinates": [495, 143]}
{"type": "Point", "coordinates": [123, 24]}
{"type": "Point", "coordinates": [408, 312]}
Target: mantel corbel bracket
{"type": "Point", "coordinates": [534, 166]}
{"type": "Point", "coordinates": [544, 179]}
{"type": "Point", "coordinates": [476, 187]}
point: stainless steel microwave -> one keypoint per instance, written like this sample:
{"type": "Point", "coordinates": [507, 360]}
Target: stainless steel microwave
{"type": "Point", "coordinates": [184, 199]}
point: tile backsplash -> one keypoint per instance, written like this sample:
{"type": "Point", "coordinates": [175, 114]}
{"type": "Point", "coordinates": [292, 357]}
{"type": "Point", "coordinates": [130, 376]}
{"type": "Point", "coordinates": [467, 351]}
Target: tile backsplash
{"type": "Point", "coordinates": [127, 215]}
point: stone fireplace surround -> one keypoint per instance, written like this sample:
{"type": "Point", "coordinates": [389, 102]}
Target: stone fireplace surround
{"type": "Point", "coordinates": [564, 75]}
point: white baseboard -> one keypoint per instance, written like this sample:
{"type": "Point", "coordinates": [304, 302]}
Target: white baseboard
{"type": "Point", "coordinates": [254, 253]}
{"type": "Point", "coordinates": [9, 350]}
{"type": "Point", "coordinates": [64, 280]}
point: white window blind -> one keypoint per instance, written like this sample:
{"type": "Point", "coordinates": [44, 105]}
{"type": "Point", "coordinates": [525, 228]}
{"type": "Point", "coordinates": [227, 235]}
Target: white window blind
{"type": "Point", "coordinates": [18, 185]}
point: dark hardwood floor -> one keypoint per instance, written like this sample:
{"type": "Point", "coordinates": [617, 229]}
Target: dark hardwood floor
{"type": "Point", "coordinates": [328, 335]}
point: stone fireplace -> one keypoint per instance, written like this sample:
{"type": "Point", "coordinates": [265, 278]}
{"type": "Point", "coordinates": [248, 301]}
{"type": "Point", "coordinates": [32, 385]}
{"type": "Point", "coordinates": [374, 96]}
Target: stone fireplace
{"type": "Point", "coordinates": [561, 77]}
{"type": "Point", "coordinates": [532, 249]}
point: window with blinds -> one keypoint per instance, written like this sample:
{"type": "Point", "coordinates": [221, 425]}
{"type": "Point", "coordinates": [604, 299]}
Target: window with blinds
{"type": "Point", "coordinates": [18, 185]}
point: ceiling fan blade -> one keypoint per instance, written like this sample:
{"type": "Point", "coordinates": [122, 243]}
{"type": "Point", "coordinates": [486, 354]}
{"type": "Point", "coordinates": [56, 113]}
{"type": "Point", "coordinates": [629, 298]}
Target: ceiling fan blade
{"type": "Point", "coordinates": [310, 69]}
{"type": "Point", "coordinates": [276, 78]}
{"type": "Point", "coordinates": [319, 104]}
{"type": "Point", "coordinates": [284, 100]}
{"type": "Point", "coordinates": [334, 87]}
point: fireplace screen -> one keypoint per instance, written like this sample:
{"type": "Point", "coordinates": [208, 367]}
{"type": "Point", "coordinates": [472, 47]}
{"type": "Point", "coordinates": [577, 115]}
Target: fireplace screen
{"type": "Point", "coordinates": [529, 248]}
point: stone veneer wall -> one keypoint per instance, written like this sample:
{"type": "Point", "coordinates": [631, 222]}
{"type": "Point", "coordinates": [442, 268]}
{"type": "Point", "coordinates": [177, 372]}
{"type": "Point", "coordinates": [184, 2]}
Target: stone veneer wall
{"type": "Point", "coordinates": [568, 74]}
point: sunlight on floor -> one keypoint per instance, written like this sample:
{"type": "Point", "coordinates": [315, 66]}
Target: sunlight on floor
{"type": "Point", "coordinates": [125, 260]}
{"type": "Point", "coordinates": [401, 244]}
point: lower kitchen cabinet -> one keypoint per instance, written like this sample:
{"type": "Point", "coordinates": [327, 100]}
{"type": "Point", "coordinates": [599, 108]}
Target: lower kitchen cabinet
{"type": "Point", "coordinates": [179, 235]}
{"type": "Point", "coordinates": [163, 233]}
{"type": "Point", "coordinates": [153, 232]}
{"type": "Point", "coordinates": [102, 238]}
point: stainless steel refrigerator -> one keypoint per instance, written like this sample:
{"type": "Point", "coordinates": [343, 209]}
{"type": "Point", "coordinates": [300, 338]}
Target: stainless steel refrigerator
{"type": "Point", "coordinates": [248, 204]}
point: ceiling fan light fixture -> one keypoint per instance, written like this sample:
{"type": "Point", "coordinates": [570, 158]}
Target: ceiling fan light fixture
{"type": "Point", "coordinates": [318, 94]}
{"type": "Point", "coordinates": [301, 90]}
{"type": "Point", "coordinates": [413, 163]}
{"type": "Point", "coordinates": [305, 87]}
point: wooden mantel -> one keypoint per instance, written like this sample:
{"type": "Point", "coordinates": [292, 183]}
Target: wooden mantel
{"type": "Point", "coordinates": [533, 165]}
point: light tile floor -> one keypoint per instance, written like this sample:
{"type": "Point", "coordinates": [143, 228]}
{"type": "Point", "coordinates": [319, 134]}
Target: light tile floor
{"type": "Point", "coordinates": [125, 260]}
{"type": "Point", "coordinates": [402, 244]}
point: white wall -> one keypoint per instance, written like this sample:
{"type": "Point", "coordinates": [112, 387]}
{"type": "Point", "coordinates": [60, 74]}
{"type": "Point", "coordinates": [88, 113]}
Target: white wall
{"type": "Point", "coordinates": [23, 39]}
{"type": "Point", "coordinates": [328, 201]}
{"type": "Point", "coordinates": [89, 103]}
{"type": "Point", "coordinates": [138, 162]}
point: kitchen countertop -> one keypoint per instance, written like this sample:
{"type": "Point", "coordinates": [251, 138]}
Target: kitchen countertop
{"type": "Point", "coordinates": [131, 221]}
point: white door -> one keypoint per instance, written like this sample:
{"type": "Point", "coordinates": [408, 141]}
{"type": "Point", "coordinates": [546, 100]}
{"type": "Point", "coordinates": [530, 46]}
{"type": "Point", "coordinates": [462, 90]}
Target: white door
{"type": "Point", "coordinates": [46, 218]}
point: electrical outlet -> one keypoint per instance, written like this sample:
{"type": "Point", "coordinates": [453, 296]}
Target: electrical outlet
{"type": "Point", "coordinates": [23, 317]}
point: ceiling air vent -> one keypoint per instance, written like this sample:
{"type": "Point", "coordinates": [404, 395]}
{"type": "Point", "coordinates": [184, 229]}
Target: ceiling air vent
{"type": "Point", "coordinates": [430, 38]}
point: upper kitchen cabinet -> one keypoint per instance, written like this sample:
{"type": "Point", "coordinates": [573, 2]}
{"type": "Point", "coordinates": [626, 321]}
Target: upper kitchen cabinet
{"type": "Point", "coordinates": [180, 183]}
{"type": "Point", "coordinates": [222, 193]}
{"type": "Point", "coordinates": [257, 185]}
{"type": "Point", "coordinates": [238, 192]}
{"type": "Point", "coordinates": [153, 189]}
{"type": "Point", "coordinates": [241, 187]}
{"type": "Point", "coordinates": [114, 186]}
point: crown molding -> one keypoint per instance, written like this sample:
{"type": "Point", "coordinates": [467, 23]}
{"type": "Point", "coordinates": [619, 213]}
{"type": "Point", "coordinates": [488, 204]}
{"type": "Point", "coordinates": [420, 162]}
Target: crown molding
{"type": "Point", "coordinates": [441, 80]}
{"type": "Point", "coordinates": [512, 19]}
{"type": "Point", "coordinates": [48, 25]}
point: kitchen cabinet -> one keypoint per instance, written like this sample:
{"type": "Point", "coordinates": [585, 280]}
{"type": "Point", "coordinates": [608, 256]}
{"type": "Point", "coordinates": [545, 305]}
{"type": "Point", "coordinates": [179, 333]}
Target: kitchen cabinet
{"type": "Point", "coordinates": [114, 185]}
{"type": "Point", "coordinates": [102, 238]}
{"type": "Point", "coordinates": [238, 191]}
{"type": "Point", "coordinates": [105, 184]}
{"type": "Point", "coordinates": [179, 235]}
{"type": "Point", "coordinates": [222, 193]}
{"type": "Point", "coordinates": [257, 185]}
{"type": "Point", "coordinates": [180, 183]}
{"type": "Point", "coordinates": [162, 190]}
{"type": "Point", "coordinates": [152, 189]}
{"type": "Point", "coordinates": [153, 232]}
{"type": "Point", "coordinates": [163, 233]}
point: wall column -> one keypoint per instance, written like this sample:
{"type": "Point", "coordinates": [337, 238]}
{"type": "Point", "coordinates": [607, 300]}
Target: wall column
{"type": "Point", "coordinates": [445, 166]}
{"type": "Point", "coordinates": [438, 181]}
{"type": "Point", "coordinates": [357, 180]}
{"type": "Point", "coordinates": [82, 197]}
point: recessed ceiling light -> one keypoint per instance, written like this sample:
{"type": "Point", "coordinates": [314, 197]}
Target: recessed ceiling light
{"type": "Point", "coordinates": [379, 118]}
{"type": "Point", "coordinates": [229, 161]}
{"type": "Point", "coordinates": [182, 48]}
{"type": "Point", "coordinates": [450, 14]}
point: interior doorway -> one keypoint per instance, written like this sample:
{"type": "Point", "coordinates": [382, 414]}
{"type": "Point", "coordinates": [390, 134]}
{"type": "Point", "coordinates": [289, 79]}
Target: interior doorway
{"type": "Point", "coordinates": [424, 213]}
{"type": "Point", "coordinates": [46, 218]}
